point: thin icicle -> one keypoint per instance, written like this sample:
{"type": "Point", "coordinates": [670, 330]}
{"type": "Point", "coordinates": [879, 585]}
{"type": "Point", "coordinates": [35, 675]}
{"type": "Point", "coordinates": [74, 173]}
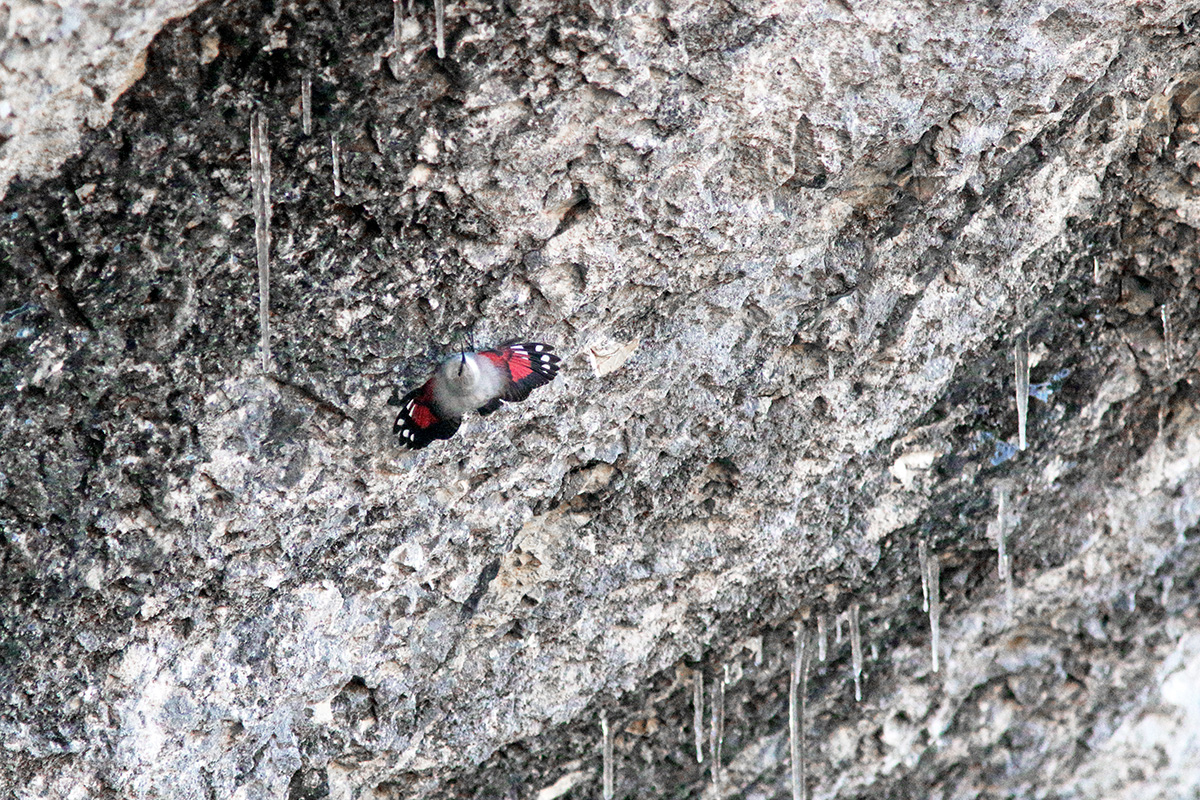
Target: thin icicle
{"type": "Point", "coordinates": [797, 700]}
{"type": "Point", "coordinates": [1003, 562]}
{"type": "Point", "coordinates": [822, 635]}
{"type": "Point", "coordinates": [607, 755]}
{"type": "Point", "coordinates": [856, 654]}
{"type": "Point", "coordinates": [794, 713]}
{"type": "Point", "coordinates": [1001, 493]}
{"type": "Point", "coordinates": [439, 11]}
{"type": "Point", "coordinates": [1162, 451]}
{"type": "Point", "coordinates": [260, 179]}
{"type": "Point", "coordinates": [306, 104]}
{"type": "Point", "coordinates": [397, 20]}
{"type": "Point", "coordinates": [1021, 367]}
{"type": "Point", "coordinates": [1166, 321]}
{"type": "Point", "coordinates": [837, 628]}
{"type": "Point", "coordinates": [698, 713]}
{"type": "Point", "coordinates": [806, 660]}
{"type": "Point", "coordinates": [335, 152]}
{"type": "Point", "coordinates": [717, 737]}
{"type": "Point", "coordinates": [923, 560]}
{"type": "Point", "coordinates": [934, 577]}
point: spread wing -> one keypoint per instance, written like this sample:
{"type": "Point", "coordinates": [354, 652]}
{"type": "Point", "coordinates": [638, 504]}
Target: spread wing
{"type": "Point", "coordinates": [418, 422]}
{"type": "Point", "coordinates": [526, 366]}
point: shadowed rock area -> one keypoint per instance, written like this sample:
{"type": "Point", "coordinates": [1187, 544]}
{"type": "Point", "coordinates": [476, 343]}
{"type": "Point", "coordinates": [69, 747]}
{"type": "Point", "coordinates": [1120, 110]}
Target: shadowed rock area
{"type": "Point", "coordinates": [790, 253]}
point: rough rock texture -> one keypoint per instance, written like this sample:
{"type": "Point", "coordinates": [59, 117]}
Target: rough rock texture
{"type": "Point", "coordinates": [786, 251]}
{"type": "Point", "coordinates": [63, 65]}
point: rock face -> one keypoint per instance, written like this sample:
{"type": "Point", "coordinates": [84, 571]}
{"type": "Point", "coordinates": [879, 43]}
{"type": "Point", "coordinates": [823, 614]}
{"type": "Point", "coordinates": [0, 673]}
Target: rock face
{"type": "Point", "coordinates": [790, 253]}
{"type": "Point", "coordinates": [63, 65]}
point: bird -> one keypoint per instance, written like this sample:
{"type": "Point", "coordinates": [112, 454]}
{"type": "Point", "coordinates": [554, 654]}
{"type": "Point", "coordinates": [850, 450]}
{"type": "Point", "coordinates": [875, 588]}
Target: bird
{"type": "Point", "coordinates": [472, 381]}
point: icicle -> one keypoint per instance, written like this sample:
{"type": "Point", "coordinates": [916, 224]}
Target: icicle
{"type": "Point", "coordinates": [923, 560]}
{"type": "Point", "coordinates": [1096, 270]}
{"type": "Point", "coordinates": [1166, 321]}
{"type": "Point", "coordinates": [336, 154]}
{"type": "Point", "coordinates": [717, 737]}
{"type": "Point", "coordinates": [1168, 583]}
{"type": "Point", "coordinates": [698, 713]}
{"type": "Point", "coordinates": [439, 10]}
{"type": "Point", "coordinates": [822, 635]}
{"type": "Point", "coordinates": [1001, 493]}
{"type": "Point", "coordinates": [397, 17]}
{"type": "Point", "coordinates": [260, 179]}
{"type": "Point", "coordinates": [837, 628]}
{"type": "Point", "coordinates": [797, 700]}
{"type": "Point", "coordinates": [607, 755]}
{"type": "Point", "coordinates": [306, 104]}
{"type": "Point", "coordinates": [933, 570]}
{"type": "Point", "coordinates": [805, 660]}
{"type": "Point", "coordinates": [1004, 564]}
{"type": "Point", "coordinates": [856, 656]}
{"type": "Point", "coordinates": [1162, 451]}
{"type": "Point", "coordinates": [1021, 367]}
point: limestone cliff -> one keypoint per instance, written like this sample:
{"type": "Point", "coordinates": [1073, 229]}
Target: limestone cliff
{"type": "Point", "coordinates": [791, 254]}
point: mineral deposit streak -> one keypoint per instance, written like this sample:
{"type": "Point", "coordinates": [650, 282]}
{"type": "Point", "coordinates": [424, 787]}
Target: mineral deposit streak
{"type": "Point", "coordinates": [856, 654]}
{"type": "Point", "coordinates": [1003, 560]}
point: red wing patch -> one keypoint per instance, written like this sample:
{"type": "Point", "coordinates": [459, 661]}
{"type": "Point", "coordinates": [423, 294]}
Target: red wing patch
{"type": "Point", "coordinates": [422, 415]}
{"type": "Point", "coordinates": [518, 364]}
{"type": "Point", "coordinates": [496, 357]}
{"type": "Point", "coordinates": [514, 359]}
{"type": "Point", "coordinates": [418, 423]}
{"type": "Point", "coordinates": [528, 365]}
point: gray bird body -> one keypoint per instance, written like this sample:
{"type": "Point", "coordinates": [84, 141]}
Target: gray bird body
{"type": "Point", "coordinates": [464, 383]}
{"type": "Point", "coordinates": [472, 382]}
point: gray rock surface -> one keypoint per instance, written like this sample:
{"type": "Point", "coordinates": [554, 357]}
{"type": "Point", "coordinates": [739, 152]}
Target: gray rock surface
{"type": "Point", "coordinates": [62, 67]}
{"type": "Point", "coordinates": [786, 251]}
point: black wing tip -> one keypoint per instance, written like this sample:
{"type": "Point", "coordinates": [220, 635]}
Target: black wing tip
{"type": "Point", "coordinates": [542, 360]}
{"type": "Point", "coordinates": [545, 365]}
{"type": "Point", "coordinates": [415, 438]}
